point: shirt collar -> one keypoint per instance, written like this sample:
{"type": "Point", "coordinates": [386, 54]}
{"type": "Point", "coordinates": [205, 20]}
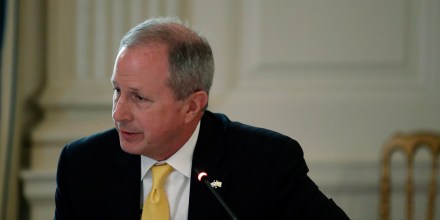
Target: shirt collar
{"type": "Point", "coordinates": [180, 161]}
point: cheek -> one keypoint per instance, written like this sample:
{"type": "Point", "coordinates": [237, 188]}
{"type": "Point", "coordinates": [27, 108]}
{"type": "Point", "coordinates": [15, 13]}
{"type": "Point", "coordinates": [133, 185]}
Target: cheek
{"type": "Point", "coordinates": [151, 123]}
{"type": "Point", "coordinates": [145, 119]}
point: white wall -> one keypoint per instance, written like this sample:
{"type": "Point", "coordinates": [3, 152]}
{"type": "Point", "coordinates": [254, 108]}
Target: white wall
{"type": "Point", "coordinates": [339, 76]}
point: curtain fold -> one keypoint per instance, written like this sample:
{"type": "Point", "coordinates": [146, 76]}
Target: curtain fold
{"type": "Point", "coordinates": [8, 92]}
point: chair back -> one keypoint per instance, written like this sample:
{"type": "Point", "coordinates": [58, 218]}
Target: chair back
{"type": "Point", "coordinates": [409, 144]}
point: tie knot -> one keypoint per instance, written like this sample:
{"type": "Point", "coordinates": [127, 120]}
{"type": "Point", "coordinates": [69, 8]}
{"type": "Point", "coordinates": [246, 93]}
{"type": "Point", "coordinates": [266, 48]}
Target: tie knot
{"type": "Point", "coordinates": [160, 173]}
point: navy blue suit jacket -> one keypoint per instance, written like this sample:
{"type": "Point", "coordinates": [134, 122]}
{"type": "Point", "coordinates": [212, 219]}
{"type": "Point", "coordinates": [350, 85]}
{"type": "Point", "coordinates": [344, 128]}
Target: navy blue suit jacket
{"type": "Point", "coordinates": [263, 175]}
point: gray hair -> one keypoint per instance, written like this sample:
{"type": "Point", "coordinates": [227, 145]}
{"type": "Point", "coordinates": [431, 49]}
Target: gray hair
{"type": "Point", "coordinates": [191, 62]}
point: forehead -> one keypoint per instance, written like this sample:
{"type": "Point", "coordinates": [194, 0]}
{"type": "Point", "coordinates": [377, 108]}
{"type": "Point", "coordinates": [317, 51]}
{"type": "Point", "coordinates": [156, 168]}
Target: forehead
{"type": "Point", "coordinates": [146, 61]}
{"type": "Point", "coordinates": [152, 52]}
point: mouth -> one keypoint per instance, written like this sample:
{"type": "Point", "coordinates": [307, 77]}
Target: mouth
{"type": "Point", "coordinates": [128, 134]}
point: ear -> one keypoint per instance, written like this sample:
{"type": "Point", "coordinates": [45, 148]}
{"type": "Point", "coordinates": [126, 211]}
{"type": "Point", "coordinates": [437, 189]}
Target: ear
{"type": "Point", "coordinates": [196, 103]}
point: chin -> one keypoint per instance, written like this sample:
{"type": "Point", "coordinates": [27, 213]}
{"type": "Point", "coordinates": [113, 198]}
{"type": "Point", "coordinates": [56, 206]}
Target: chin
{"type": "Point", "coordinates": [130, 149]}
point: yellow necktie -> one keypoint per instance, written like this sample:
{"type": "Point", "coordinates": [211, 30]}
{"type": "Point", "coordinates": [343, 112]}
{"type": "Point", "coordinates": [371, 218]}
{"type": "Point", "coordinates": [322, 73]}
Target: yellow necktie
{"type": "Point", "coordinates": [156, 205]}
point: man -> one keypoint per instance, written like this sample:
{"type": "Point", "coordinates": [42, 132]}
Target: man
{"type": "Point", "coordinates": [161, 80]}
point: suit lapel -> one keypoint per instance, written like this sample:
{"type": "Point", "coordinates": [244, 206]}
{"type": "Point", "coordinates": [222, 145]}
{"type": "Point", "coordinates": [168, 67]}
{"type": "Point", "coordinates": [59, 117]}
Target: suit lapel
{"type": "Point", "coordinates": [208, 155]}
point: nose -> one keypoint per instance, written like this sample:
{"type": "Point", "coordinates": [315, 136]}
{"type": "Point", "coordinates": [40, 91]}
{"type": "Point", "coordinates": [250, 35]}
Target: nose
{"type": "Point", "coordinates": [121, 110]}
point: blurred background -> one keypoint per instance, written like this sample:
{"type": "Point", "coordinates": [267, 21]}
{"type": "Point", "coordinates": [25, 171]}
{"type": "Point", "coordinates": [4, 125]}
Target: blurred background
{"type": "Point", "coordinates": [341, 77]}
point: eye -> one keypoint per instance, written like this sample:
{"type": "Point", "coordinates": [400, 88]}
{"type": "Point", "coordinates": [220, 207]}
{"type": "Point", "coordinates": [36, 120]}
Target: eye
{"type": "Point", "coordinates": [139, 98]}
{"type": "Point", "coordinates": [116, 90]}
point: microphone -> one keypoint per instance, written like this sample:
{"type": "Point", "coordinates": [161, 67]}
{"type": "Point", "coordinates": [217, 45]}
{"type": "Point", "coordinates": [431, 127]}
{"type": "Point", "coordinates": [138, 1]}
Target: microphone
{"type": "Point", "coordinates": [203, 177]}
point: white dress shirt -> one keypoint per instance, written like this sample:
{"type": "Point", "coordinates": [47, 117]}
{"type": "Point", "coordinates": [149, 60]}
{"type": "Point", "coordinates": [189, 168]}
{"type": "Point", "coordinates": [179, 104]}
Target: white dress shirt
{"type": "Point", "coordinates": [178, 182]}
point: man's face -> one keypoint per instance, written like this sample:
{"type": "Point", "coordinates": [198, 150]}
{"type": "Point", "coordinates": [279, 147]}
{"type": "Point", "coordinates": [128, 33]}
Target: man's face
{"type": "Point", "coordinates": [145, 112]}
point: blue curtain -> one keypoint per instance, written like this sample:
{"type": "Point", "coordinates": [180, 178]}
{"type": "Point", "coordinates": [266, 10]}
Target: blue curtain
{"type": "Point", "coordinates": [2, 34]}
{"type": "Point", "coordinates": [2, 21]}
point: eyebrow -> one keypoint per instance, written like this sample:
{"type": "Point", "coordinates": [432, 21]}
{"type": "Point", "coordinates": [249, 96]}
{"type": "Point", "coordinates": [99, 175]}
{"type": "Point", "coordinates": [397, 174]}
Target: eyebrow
{"type": "Point", "coordinates": [130, 88]}
{"type": "Point", "coordinates": [133, 89]}
{"type": "Point", "coordinates": [113, 82]}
